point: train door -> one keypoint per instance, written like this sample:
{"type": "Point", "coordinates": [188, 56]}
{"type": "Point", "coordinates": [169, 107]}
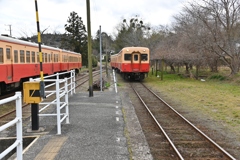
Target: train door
{"type": "Point", "coordinates": [136, 61]}
{"type": "Point", "coordinates": [9, 63]}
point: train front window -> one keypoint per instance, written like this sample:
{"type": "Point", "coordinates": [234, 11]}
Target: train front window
{"type": "Point", "coordinates": [144, 57]}
{"type": "Point", "coordinates": [135, 57]}
{"type": "Point", "coordinates": [8, 53]}
{"type": "Point", "coordinates": [127, 57]}
{"type": "Point", "coordinates": [1, 55]}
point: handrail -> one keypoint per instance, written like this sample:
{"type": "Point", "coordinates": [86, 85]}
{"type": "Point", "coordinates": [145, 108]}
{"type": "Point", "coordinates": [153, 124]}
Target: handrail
{"type": "Point", "coordinates": [18, 121]}
{"type": "Point", "coordinates": [59, 92]}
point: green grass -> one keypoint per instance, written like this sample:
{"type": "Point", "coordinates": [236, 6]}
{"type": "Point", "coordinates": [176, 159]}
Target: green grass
{"type": "Point", "coordinates": [216, 98]}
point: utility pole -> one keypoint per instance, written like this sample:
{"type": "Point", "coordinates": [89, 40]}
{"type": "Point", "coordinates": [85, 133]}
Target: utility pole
{"type": "Point", "coordinates": [100, 39]}
{"type": "Point", "coordinates": [10, 29]}
{"type": "Point", "coordinates": [89, 50]}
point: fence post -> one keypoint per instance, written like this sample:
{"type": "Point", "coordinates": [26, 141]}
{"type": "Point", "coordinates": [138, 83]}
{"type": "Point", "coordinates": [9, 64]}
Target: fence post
{"type": "Point", "coordinates": [115, 81]}
{"type": "Point", "coordinates": [74, 80]}
{"type": "Point", "coordinates": [58, 106]}
{"type": "Point", "coordinates": [19, 125]}
{"type": "Point", "coordinates": [66, 100]}
{"type": "Point", "coordinates": [71, 82]}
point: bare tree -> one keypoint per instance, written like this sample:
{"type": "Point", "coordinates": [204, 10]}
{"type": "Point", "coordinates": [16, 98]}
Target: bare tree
{"type": "Point", "coordinates": [221, 20]}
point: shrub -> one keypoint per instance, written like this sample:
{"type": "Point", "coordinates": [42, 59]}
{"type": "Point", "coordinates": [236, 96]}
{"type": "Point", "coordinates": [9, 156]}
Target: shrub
{"type": "Point", "coordinates": [217, 77]}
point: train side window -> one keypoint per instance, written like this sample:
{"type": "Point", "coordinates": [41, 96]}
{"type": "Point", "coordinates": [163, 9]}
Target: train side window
{"type": "Point", "coordinates": [38, 57]}
{"type": "Point", "coordinates": [22, 56]}
{"type": "Point", "coordinates": [144, 57]}
{"type": "Point", "coordinates": [8, 53]}
{"type": "Point", "coordinates": [49, 57]}
{"type": "Point", "coordinates": [15, 56]}
{"type": "Point", "coordinates": [28, 56]}
{"type": "Point", "coordinates": [43, 57]}
{"type": "Point", "coordinates": [1, 55]}
{"type": "Point", "coordinates": [127, 57]}
{"type": "Point", "coordinates": [33, 57]}
{"type": "Point", "coordinates": [46, 57]}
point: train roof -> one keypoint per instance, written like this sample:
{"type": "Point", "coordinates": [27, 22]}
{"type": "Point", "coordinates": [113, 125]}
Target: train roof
{"type": "Point", "coordinates": [134, 48]}
{"type": "Point", "coordinates": [18, 41]}
{"type": "Point", "coordinates": [131, 49]}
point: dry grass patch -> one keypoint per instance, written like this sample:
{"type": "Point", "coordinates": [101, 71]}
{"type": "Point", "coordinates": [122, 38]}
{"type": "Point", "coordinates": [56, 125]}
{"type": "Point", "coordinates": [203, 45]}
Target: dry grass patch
{"type": "Point", "coordinates": [218, 100]}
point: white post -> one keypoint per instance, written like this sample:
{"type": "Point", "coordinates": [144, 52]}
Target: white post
{"type": "Point", "coordinates": [71, 81]}
{"type": "Point", "coordinates": [115, 82]}
{"type": "Point", "coordinates": [74, 80]}
{"type": "Point", "coordinates": [66, 101]}
{"type": "Point", "coordinates": [19, 125]}
{"type": "Point", "coordinates": [58, 106]}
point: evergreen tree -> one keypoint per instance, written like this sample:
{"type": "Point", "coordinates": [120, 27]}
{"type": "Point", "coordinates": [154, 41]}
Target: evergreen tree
{"type": "Point", "coordinates": [132, 33]}
{"type": "Point", "coordinates": [75, 38]}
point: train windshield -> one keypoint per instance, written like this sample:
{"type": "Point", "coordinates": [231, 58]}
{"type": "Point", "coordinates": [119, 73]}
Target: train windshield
{"type": "Point", "coordinates": [144, 57]}
{"type": "Point", "coordinates": [135, 57]}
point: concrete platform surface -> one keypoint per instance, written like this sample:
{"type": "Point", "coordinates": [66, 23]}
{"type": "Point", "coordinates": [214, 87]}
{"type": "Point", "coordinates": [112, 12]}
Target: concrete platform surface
{"type": "Point", "coordinates": [95, 132]}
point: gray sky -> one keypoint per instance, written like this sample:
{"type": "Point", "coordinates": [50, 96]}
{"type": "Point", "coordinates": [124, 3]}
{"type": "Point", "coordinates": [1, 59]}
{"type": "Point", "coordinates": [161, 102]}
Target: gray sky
{"type": "Point", "coordinates": [53, 14]}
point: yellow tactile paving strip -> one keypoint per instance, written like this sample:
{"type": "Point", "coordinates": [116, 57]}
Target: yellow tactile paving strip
{"type": "Point", "coordinates": [51, 149]}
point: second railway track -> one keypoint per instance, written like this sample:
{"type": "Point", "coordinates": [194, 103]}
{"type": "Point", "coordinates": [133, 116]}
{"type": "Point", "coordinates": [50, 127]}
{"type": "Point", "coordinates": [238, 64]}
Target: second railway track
{"type": "Point", "coordinates": [178, 138]}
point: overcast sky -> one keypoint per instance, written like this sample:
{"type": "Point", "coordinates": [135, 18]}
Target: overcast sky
{"type": "Point", "coordinates": [53, 14]}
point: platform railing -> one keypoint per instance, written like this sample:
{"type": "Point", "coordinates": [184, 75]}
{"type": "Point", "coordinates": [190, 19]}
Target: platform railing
{"type": "Point", "coordinates": [18, 144]}
{"type": "Point", "coordinates": [61, 93]}
{"type": "Point", "coordinates": [115, 81]}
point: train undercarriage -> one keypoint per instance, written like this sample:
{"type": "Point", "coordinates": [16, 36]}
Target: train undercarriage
{"type": "Point", "coordinates": [5, 88]}
{"type": "Point", "coordinates": [134, 76]}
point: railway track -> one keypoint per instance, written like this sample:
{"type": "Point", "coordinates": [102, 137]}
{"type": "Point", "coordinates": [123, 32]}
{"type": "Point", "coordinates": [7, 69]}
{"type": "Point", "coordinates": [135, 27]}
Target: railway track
{"type": "Point", "coordinates": [179, 138]}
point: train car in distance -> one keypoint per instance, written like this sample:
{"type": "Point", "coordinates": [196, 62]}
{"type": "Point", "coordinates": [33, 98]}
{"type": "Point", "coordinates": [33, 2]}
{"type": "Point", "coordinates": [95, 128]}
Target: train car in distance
{"type": "Point", "coordinates": [132, 62]}
{"type": "Point", "coordinates": [19, 61]}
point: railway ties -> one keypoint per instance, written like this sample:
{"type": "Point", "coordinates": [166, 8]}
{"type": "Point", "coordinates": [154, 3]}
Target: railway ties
{"type": "Point", "coordinates": [185, 141]}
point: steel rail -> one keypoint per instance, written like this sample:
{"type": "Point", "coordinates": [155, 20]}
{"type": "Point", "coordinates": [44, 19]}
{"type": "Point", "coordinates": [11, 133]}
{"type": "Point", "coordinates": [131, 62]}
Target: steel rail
{"type": "Point", "coordinates": [160, 127]}
{"type": "Point", "coordinates": [198, 130]}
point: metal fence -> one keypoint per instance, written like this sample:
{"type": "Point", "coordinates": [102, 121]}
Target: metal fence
{"type": "Point", "coordinates": [18, 122]}
{"type": "Point", "coordinates": [61, 91]}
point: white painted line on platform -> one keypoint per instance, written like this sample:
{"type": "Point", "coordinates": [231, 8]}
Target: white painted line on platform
{"type": "Point", "coordinates": [117, 118]}
{"type": "Point", "coordinates": [116, 106]}
{"type": "Point", "coordinates": [116, 101]}
{"type": "Point", "coordinates": [118, 139]}
{"type": "Point", "coordinates": [117, 112]}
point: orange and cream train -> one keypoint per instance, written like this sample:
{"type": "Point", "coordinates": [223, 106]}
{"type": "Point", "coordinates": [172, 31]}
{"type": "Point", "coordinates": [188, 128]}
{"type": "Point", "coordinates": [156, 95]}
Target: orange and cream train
{"type": "Point", "coordinates": [19, 61]}
{"type": "Point", "coordinates": [132, 62]}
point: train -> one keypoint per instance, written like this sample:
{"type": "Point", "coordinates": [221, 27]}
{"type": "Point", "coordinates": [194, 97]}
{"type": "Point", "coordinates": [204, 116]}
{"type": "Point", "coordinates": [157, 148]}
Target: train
{"type": "Point", "coordinates": [19, 61]}
{"type": "Point", "coordinates": [132, 62]}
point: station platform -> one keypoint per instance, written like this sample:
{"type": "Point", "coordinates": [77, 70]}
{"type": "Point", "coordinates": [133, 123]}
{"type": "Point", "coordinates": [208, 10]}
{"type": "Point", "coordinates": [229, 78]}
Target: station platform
{"type": "Point", "coordinates": [96, 131]}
